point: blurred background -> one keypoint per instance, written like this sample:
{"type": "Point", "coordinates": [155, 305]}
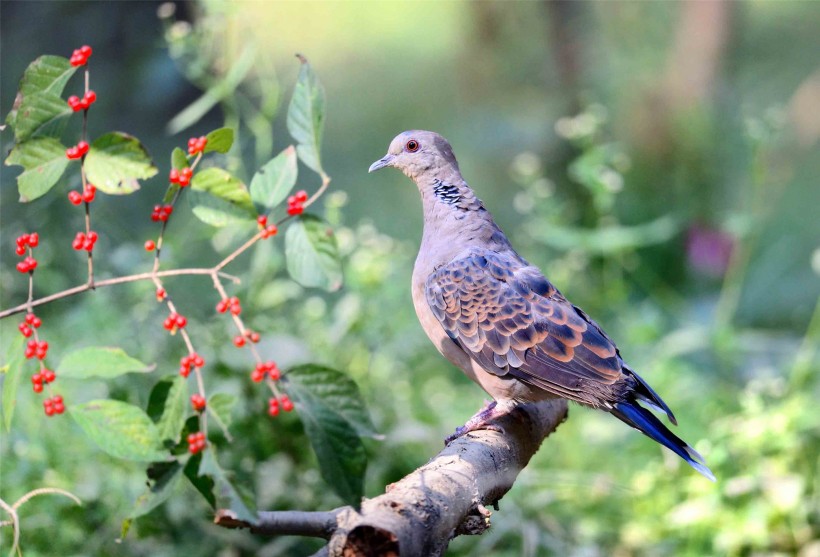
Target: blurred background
{"type": "Point", "coordinates": [659, 161]}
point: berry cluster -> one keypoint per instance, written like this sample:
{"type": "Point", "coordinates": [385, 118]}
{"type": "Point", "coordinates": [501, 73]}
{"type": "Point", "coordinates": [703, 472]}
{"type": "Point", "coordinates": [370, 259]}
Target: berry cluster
{"type": "Point", "coordinates": [36, 348]}
{"type": "Point", "coordinates": [181, 177]}
{"type": "Point", "coordinates": [197, 145]}
{"type": "Point", "coordinates": [24, 242]}
{"type": "Point", "coordinates": [231, 304]}
{"type": "Point", "coordinates": [296, 202]}
{"type": "Point", "coordinates": [265, 368]}
{"type": "Point", "coordinates": [191, 360]}
{"type": "Point", "coordinates": [32, 321]}
{"type": "Point", "coordinates": [268, 230]}
{"type": "Point", "coordinates": [174, 321]}
{"type": "Point", "coordinates": [44, 376]}
{"type": "Point", "coordinates": [196, 442]}
{"type": "Point", "coordinates": [78, 151]}
{"type": "Point", "coordinates": [54, 405]}
{"type": "Point", "coordinates": [77, 104]}
{"type": "Point", "coordinates": [198, 402]}
{"type": "Point", "coordinates": [283, 402]}
{"type": "Point", "coordinates": [83, 241]}
{"type": "Point", "coordinates": [88, 194]}
{"type": "Point", "coordinates": [80, 56]}
{"type": "Point", "coordinates": [161, 213]}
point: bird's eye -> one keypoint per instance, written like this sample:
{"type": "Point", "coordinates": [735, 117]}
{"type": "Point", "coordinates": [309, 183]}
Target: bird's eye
{"type": "Point", "coordinates": [412, 146]}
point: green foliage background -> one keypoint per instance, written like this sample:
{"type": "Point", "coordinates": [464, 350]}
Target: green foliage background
{"type": "Point", "coordinates": [598, 176]}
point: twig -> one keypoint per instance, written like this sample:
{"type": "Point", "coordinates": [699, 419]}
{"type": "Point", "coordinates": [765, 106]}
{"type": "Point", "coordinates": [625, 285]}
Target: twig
{"type": "Point", "coordinates": [318, 524]}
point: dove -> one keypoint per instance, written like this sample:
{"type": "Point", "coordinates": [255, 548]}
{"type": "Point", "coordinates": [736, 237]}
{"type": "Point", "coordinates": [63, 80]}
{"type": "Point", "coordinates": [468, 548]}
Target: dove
{"type": "Point", "coordinates": [497, 318]}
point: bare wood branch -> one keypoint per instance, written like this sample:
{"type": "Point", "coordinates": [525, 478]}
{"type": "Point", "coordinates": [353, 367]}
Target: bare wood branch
{"type": "Point", "coordinates": [318, 524]}
{"type": "Point", "coordinates": [447, 497]}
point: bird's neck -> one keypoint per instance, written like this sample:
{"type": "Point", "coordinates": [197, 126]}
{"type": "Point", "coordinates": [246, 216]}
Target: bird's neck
{"type": "Point", "coordinates": [455, 219]}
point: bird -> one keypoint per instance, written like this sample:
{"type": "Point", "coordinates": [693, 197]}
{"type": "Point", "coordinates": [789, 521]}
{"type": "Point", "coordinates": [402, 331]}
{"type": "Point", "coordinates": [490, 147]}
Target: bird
{"type": "Point", "coordinates": [497, 317]}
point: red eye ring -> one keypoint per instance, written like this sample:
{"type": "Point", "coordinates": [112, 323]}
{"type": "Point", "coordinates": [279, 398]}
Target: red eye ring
{"type": "Point", "coordinates": [412, 146]}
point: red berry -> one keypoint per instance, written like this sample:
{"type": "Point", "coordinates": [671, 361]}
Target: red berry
{"type": "Point", "coordinates": [37, 378]}
{"type": "Point", "coordinates": [168, 323]}
{"type": "Point", "coordinates": [22, 240]}
{"type": "Point", "coordinates": [82, 147]}
{"type": "Point", "coordinates": [185, 176]}
{"type": "Point", "coordinates": [48, 375]}
{"type": "Point", "coordinates": [29, 353]}
{"type": "Point", "coordinates": [161, 293]}
{"type": "Point", "coordinates": [20, 250]}
{"type": "Point", "coordinates": [150, 245]}
{"type": "Point", "coordinates": [273, 407]}
{"type": "Point", "coordinates": [262, 221]}
{"type": "Point", "coordinates": [49, 407]}
{"type": "Point", "coordinates": [254, 337]}
{"type": "Point", "coordinates": [287, 404]}
{"type": "Point", "coordinates": [74, 103]}
{"type": "Point", "coordinates": [75, 197]}
{"type": "Point", "coordinates": [257, 375]}
{"type": "Point", "coordinates": [30, 317]}
{"type": "Point", "coordinates": [90, 97]}
{"type": "Point", "coordinates": [239, 341]}
{"type": "Point", "coordinates": [167, 209]}
{"type": "Point", "coordinates": [36, 322]}
{"type": "Point", "coordinates": [59, 408]}
{"type": "Point", "coordinates": [222, 306]}
{"type": "Point", "coordinates": [72, 153]}
{"type": "Point", "coordinates": [89, 193]}
{"type": "Point", "coordinates": [37, 387]}
{"type": "Point", "coordinates": [86, 51]}
{"type": "Point", "coordinates": [198, 402]}
{"type": "Point", "coordinates": [181, 321]}
{"type": "Point", "coordinates": [301, 196]}
{"type": "Point", "coordinates": [269, 231]}
{"type": "Point", "coordinates": [173, 176]}
{"type": "Point", "coordinates": [198, 360]}
{"type": "Point", "coordinates": [25, 330]}
{"type": "Point", "coordinates": [33, 239]}
{"type": "Point", "coordinates": [79, 241]}
{"type": "Point", "coordinates": [295, 210]}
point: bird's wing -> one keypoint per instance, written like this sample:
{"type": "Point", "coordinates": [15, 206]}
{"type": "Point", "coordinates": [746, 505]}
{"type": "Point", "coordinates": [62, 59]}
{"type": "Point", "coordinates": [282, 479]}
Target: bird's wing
{"type": "Point", "coordinates": [511, 320]}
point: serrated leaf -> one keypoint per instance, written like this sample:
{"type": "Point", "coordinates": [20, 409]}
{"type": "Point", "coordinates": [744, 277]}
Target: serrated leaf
{"type": "Point", "coordinates": [43, 160]}
{"type": "Point", "coordinates": [115, 163]}
{"type": "Point", "coordinates": [163, 478]}
{"type": "Point", "coordinates": [312, 254]}
{"type": "Point", "coordinates": [219, 140]}
{"type": "Point", "coordinates": [227, 496]}
{"type": "Point", "coordinates": [220, 406]}
{"type": "Point", "coordinates": [272, 183]}
{"type": "Point", "coordinates": [220, 199]}
{"type": "Point", "coordinates": [12, 371]}
{"type": "Point", "coordinates": [333, 389]}
{"type": "Point", "coordinates": [338, 448]}
{"type": "Point", "coordinates": [306, 116]}
{"type": "Point", "coordinates": [99, 361]}
{"type": "Point", "coordinates": [38, 114]}
{"type": "Point", "coordinates": [47, 74]}
{"type": "Point", "coordinates": [174, 413]}
{"type": "Point", "coordinates": [120, 429]}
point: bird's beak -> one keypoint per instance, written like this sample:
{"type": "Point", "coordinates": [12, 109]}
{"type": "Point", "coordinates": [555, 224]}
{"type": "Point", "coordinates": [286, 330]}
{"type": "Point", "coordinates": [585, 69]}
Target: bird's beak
{"type": "Point", "coordinates": [381, 163]}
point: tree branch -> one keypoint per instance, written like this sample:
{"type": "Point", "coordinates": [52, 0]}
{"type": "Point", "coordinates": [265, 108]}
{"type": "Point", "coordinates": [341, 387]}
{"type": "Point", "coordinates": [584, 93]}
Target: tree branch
{"type": "Point", "coordinates": [421, 513]}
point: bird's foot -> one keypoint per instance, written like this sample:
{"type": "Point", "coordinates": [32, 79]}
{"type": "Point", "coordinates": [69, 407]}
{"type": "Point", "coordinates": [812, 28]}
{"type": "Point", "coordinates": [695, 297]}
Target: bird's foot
{"type": "Point", "coordinates": [481, 420]}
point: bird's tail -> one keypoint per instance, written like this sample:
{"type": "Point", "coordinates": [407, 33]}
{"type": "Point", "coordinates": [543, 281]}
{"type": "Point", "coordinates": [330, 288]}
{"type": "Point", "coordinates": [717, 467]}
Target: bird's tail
{"type": "Point", "coordinates": [632, 414]}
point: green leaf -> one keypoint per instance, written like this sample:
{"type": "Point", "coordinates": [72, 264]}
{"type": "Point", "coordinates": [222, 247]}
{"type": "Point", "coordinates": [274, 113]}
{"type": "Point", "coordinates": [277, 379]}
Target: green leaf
{"type": "Point", "coordinates": [158, 397]}
{"type": "Point", "coordinates": [99, 361]}
{"type": "Point", "coordinates": [38, 114]}
{"type": "Point", "coordinates": [44, 161]}
{"type": "Point", "coordinates": [306, 116]}
{"type": "Point", "coordinates": [175, 410]}
{"type": "Point", "coordinates": [162, 479]}
{"type": "Point", "coordinates": [179, 159]}
{"type": "Point", "coordinates": [120, 429]}
{"type": "Point", "coordinates": [335, 390]}
{"type": "Point", "coordinates": [220, 199]}
{"type": "Point", "coordinates": [227, 496]}
{"type": "Point", "coordinates": [219, 140]}
{"type": "Point", "coordinates": [338, 448]}
{"type": "Point", "coordinates": [220, 406]}
{"type": "Point", "coordinates": [312, 254]}
{"type": "Point", "coordinates": [203, 484]}
{"type": "Point", "coordinates": [47, 74]}
{"type": "Point", "coordinates": [272, 183]}
{"type": "Point", "coordinates": [115, 163]}
{"type": "Point", "coordinates": [12, 370]}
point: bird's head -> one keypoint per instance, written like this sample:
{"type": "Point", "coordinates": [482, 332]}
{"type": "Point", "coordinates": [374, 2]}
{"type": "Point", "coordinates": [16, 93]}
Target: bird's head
{"type": "Point", "coordinates": [417, 153]}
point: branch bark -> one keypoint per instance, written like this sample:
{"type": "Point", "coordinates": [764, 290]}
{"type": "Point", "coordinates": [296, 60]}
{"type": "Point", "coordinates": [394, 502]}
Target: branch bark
{"type": "Point", "coordinates": [419, 515]}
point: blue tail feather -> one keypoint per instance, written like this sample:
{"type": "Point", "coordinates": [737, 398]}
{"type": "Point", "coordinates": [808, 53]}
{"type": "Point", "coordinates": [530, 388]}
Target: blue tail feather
{"type": "Point", "coordinates": [644, 421]}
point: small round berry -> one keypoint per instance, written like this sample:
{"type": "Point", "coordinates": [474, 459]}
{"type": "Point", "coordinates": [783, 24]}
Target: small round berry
{"type": "Point", "coordinates": [273, 407]}
{"type": "Point", "coordinates": [75, 197]}
{"type": "Point", "coordinates": [222, 306]}
{"type": "Point", "coordinates": [37, 387]}
{"type": "Point", "coordinates": [239, 341]}
{"type": "Point", "coordinates": [180, 321]}
{"type": "Point", "coordinates": [198, 360]}
{"type": "Point", "coordinates": [287, 404]}
{"type": "Point", "coordinates": [25, 330]}
{"type": "Point", "coordinates": [37, 378]}
{"type": "Point", "coordinates": [301, 196]}
{"type": "Point", "coordinates": [89, 193]}
{"type": "Point", "coordinates": [30, 318]}
{"type": "Point", "coordinates": [74, 103]}
{"type": "Point", "coordinates": [72, 153]}
{"type": "Point", "coordinates": [90, 97]}
{"type": "Point", "coordinates": [86, 51]}
{"type": "Point", "coordinates": [173, 176]}
{"type": "Point", "coordinates": [262, 221]}
{"type": "Point", "coordinates": [20, 250]}
{"type": "Point", "coordinates": [295, 210]}
{"type": "Point", "coordinates": [185, 176]}
{"type": "Point", "coordinates": [150, 245]}
{"type": "Point", "coordinates": [48, 375]}
{"type": "Point", "coordinates": [33, 239]}
{"type": "Point", "coordinates": [82, 147]}
{"type": "Point", "coordinates": [254, 337]}
{"type": "Point", "coordinates": [198, 402]}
